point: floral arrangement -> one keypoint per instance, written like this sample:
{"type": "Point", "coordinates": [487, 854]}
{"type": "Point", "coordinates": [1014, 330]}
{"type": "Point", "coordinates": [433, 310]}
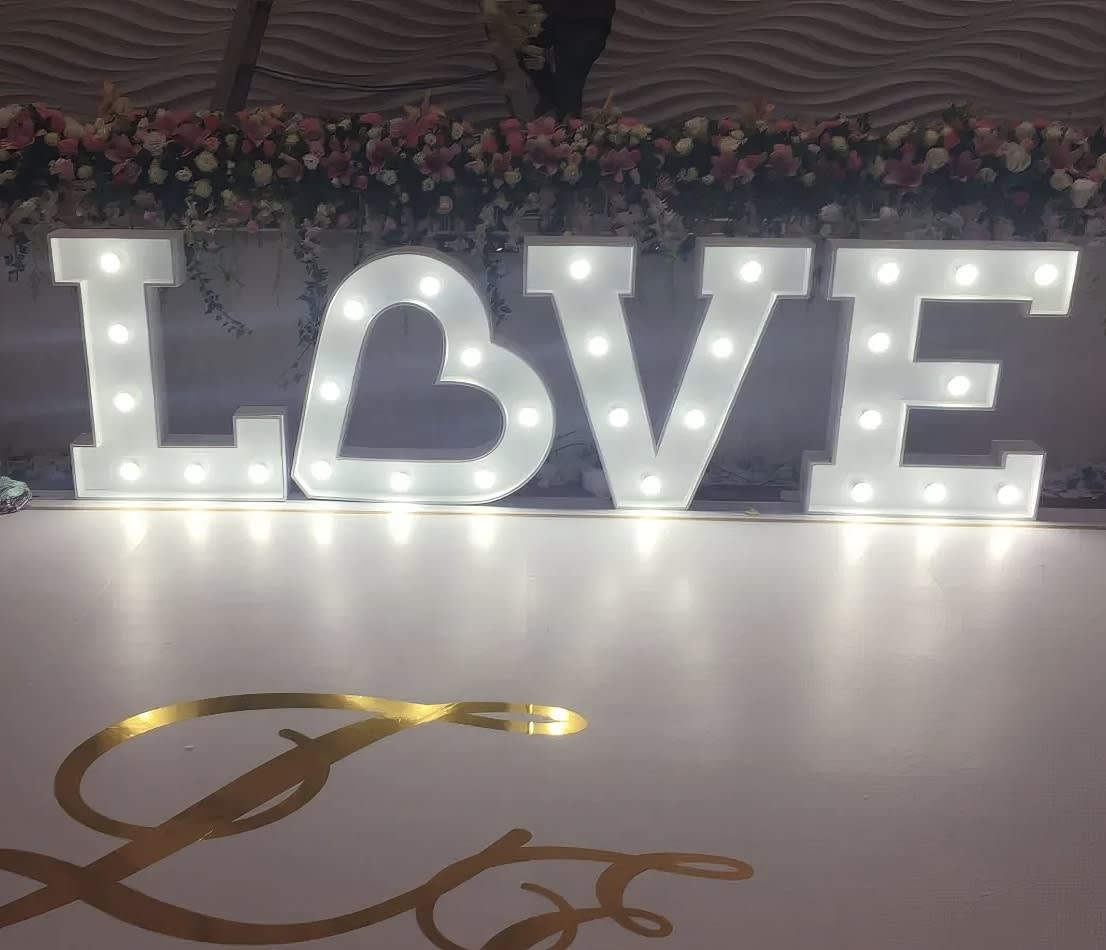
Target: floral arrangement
{"type": "Point", "coordinates": [427, 178]}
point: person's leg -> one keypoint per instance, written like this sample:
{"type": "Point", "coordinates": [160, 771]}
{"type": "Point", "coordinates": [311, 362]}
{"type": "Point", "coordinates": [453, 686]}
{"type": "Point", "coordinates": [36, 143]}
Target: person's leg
{"type": "Point", "coordinates": [543, 79]}
{"type": "Point", "coordinates": [577, 44]}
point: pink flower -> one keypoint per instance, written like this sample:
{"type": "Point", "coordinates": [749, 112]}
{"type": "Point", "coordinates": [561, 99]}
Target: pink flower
{"type": "Point", "coordinates": [190, 135]}
{"type": "Point", "coordinates": [411, 129]}
{"type": "Point", "coordinates": [592, 152]}
{"type": "Point", "coordinates": [950, 140]}
{"type": "Point", "coordinates": [379, 153]}
{"type": "Point", "coordinates": [783, 160]}
{"type": "Point", "coordinates": [51, 118]}
{"type": "Point", "coordinates": [964, 167]}
{"type": "Point", "coordinates": [516, 142]}
{"type": "Point", "coordinates": [903, 172]}
{"type": "Point", "coordinates": [628, 121]}
{"type": "Point", "coordinates": [575, 124]}
{"type": "Point", "coordinates": [987, 143]}
{"type": "Point", "coordinates": [211, 122]}
{"type": "Point", "coordinates": [509, 125]}
{"type": "Point", "coordinates": [311, 128]}
{"type": "Point", "coordinates": [243, 208]}
{"type": "Point", "coordinates": [317, 147]}
{"type": "Point", "coordinates": [1060, 157]}
{"type": "Point", "coordinates": [92, 143]}
{"type": "Point", "coordinates": [727, 125]}
{"type": "Point", "coordinates": [269, 148]}
{"type": "Point", "coordinates": [545, 156]}
{"type": "Point", "coordinates": [1020, 199]}
{"type": "Point", "coordinates": [854, 163]}
{"type": "Point", "coordinates": [488, 144]}
{"type": "Point", "coordinates": [68, 146]}
{"type": "Point", "coordinates": [664, 146]}
{"type": "Point", "coordinates": [361, 182]}
{"type": "Point", "coordinates": [784, 125]}
{"type": "Point", "coordinates": [21, 132]}
{"type": "Point", "coordinates": [617, 161]}
{"type": "Point", "coordinates": [501, 164]}
{"type": "Point", "coordinates": [63, 168]}
{"type": "Point", "coordinates": [337, 166]}
{"type": "Point", "coordinates": [371, 118]}
{"type": "Point", "coordinates": [122, 150]}
{"type": "Point", "coordinates": [435, 162]}
{"type": "Point", "coordinates": [252, 226]}
{"type": "Point", "coordinates": [292, 168]}
{"type": "Point", "coordinates": [126, 173]}
{"type": "Point", "coordinates": [725, 167]}
{"type": "Point", "coordinates": [546, 126]}
{"type": "Point", "coordinates": [169, 121]}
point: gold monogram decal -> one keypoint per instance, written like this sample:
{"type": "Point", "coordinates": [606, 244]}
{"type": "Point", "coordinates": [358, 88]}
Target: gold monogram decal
{"type": "Point", "coordinates": [302, 771]}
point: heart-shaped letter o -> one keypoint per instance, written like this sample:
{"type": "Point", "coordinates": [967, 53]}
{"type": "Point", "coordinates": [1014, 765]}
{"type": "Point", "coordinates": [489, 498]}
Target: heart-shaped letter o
{"type": "Point", "coordinates": [471, 358]}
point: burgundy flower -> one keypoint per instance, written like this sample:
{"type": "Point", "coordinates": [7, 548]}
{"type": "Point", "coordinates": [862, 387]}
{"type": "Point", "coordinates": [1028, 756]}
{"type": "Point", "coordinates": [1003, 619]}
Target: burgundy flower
{"type": "Point", "coordinates": [1061, 158]}
{"type": "Point", "coordinates": [68, 146]}
{"type": "Point", "coordinates": [311, 128]}
{"type": "Point", "coordinates": [663, 146]}
{"type": "Point", "coordinates": [126, 173]}
{"type": "Point", "coordinates": [725, 167]}
{"type": "Point", "coordinates": [964, 167]}
{"type": "Point", "coordinates": [379, 153]}
{"type": "Point", "coordinates": [371, 118]}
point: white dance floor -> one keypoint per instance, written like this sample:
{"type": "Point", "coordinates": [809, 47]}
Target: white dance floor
{"type": "Point", "coordinates": [742, 734]}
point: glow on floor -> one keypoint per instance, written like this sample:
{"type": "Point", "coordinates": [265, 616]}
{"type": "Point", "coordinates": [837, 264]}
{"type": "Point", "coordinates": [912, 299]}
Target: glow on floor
{"type": "Point", "coordinates": [369, 729]}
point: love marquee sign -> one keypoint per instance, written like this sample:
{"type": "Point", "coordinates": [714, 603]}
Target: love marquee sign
{"type": "Point", "coordinates": [879, 379]}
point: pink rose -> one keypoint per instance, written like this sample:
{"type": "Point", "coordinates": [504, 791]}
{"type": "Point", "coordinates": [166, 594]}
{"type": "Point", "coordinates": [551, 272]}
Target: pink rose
{"type": "Point", "coordinates": [311, 128]}
{"type": "Point", "coordinates": [361, 182]}
{"type": "Point", "coordinates": [727, 125]}
{"type": "Point", "coordinates": [269, 148]}
{"type": "Point", "coordinates": [68, 146]}
{"type": "Point", "coordinates": [371, 118]}
{"type": "Point", "coordinates": [664, 146]}
{"type": "Point", "coordinates": [211, 122]}
{"type": "Point", "coordinates": [252, 226]}
{"type": "Point", "coordinates": [63, 168]}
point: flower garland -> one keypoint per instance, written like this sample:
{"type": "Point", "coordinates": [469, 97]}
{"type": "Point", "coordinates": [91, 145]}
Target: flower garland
{"type": "Point", "coordinates": [426, 178]}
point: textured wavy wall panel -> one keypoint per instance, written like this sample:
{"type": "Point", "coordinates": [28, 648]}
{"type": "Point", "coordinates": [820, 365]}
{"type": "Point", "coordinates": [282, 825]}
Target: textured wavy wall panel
{"type": "Point", "coordinates": [667, 57]}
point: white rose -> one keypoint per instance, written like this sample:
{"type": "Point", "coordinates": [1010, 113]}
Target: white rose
{"type": "Point", "coordinates": [85, 172]}
{"type": "Point", "coordinates": [183, 174]}
{"type": "Point", "coordinates": [936, 158]}
{"type": "Point", "coordinates": [346, 124]}
{"type": "Point", "coordinates": [477, 167]}
{"type": "Point", "coordinates": [52, 139]}
{"type": "Point", "coordinates": [476, 150]}
{"type": "Point", "coordinates": [707, 180]}
{"type": "Point", "coordinates": [231, 166]}
{"type": "Point", "coordinates": [683, 147]}
{"type": "Point", "coordinates": [389, 177]}
{"type": "Point", "coordinates": [832, 214]}
{"type": "Point", "coordinates": [1101, 164]}
{"type": "Point", "coordinates": [986, 175]}
{"type": "Point", "coordinates": [1083, 191]}
{"type": "Point", "coordinates": [697, 126]}
{"type": "Point", "coordinates": [262, 174]}
{"type": "Point", "coordinates": [878, 167]}
{"type": "Point", "coordinates": [310, 161]}
{"type": "Point", "coordinates": [229, 198]}
{"type": "Point", "coordinates": [808, 179]}
{"type": "Point", "coordinates": [430, 138]}
{"type": "Point", "coordinates": [457, 130]}
{"type": "Point", "coordinates": [572, 174]}
{"type": "Point", "coordinates": [728, 145]}
{"type": "Point", "coordinates": [7, 114]}
{"type": "Point", "coordinates": [1017, 158]}
{"type": "Point", "coordinates": [513, 177]}
{"type": "Point", "coordinates": [404, 198]}
{"type": "Point", "coordinates": [428, 184]}
{"type": "Point", "coordinates": [1054, 132]}
{"type": "Point", "coordinates": [207, 162]}
{"type": "Point", "coordinates": [1061, 181]}
{"type": "Point", "coordinates": [202, 188]}
{"type": "Point", "coordinates": [839, 144]}
{"type": "Point", "coordinates": [154, 143]}
{"type": "Point", "coordinates": [931, 137]}
{"type": "Point", "coordinates": [1026, 130]}
{"type": "Point", "coordinates": [896, 135]}
{"type": "Point", "coordinates": [9, 175]}
{"type": "Point", "coordinates": [232, 140]}
{"type": "Point", "coordinates": [692, 174]}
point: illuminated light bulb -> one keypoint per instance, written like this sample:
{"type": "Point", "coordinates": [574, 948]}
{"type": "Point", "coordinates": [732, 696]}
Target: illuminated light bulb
{"type": "Point", "coordinates": [130, 471]}
{"type": "Point", "coordinates": [695, 419]}
{"type": "Point", "coordinates": [1046, 275]}
{"type": "Point", "coordinates": [651, 486]}
{"type": "Point", "coordinates": [862, 493]}
{"type": "Point", "coordinates": [966, 275]}
{"type": "Point", "coordinates": [579, 269]}
{"type": "Point", "coordinates": [722, 348]}
{"type": "Point", "coordinates": [879, 342]}
{"type": "Point", "coordinates": [354, 310]}
{"type": "Point", "coordinates": [322, 470]}
{"type": "Point", "coordinates": [528, 417]}
{"type": "Point", "coordinates": [599, 346]}
{"type": "Point", "coordinates": [194, 473]}
{"type": "Point", "coordinates": [430, 286]}
{"type": "Point", "coordinates": [124, 402]}
{"type": "Point", "coordinates": [400, 482]}
{"type": "Point", "coordinates": [619, 418]}
{"type": "Point", "coordinates": [888, 273]}
{"type": "Point", "coordinates": [330, 391]}
{"type": "Point", "coordinates": [935, 493]}
{"type": "Point", "coordinates": [959, 386]}
{"type": "Point", "coordinates": [471, 357]}
{"type": "Point", "coordinates": [1009, 495]}
{"type": "Point", "coordinates": [258, 473]}
{"type": "Point", "coordinates": [119, 334]}
{"type": "Point", "coordinates": [751, 272]}
{"type": "Point", "coordinates": [111, 263]}
{"type": "Point", "coordinates": [870, 419]}
{"type": "Point", "coordinates": [484, 479]}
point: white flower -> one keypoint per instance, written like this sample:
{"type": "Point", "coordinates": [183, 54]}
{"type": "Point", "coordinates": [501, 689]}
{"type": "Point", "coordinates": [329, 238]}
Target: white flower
{"type": "Point", "coordinates": [1101, 164]}
{"type": "Point", "coordinates": [232, 140]}
{"type": "Point", "coordinates": [230, 167]}
{"type": "Point", "coordinates": [428, 184]}
{"type": "Point", "coordinates": [85, 172]}
{"type": "Point", "coordinates": [839, 144]}
{"type": "Point", "coordinates": [52, 139]}
{"type": "Point", "coordinates": [310, 161]}
{"type": "Point", "coordinates": [262, 174]}
{"type": "Point", "coordinates": [346, 124]}
{"type": "Point", "coordinates": [683, 146]}
{"type": "Point", "coordinates": [7, 114]}
{"type": "Point", "coordinates": [986, 175]}
{"type": "Point", "coordinates": [896, 135]}
{"type": "Point", "coordinates": [697, 126]}
{"type": "Point", "coordinates": [4, 154]}
{"type": "Point", "coordinates": [707, 180]}
{"type": "Point", "coordinates": [1054, 132]}
{"type": "Point", "coordinates": [445, 204]}
{"type": "Point", "coordinates": [154, 143]}
{"type": "Point", "coordinates": [202, 188]}
{"type": "Point", "coordinates": [1027, 130]}
{"type": "Point", "coordinates": [1083, 191]}
{"type": "Point", "coordinates": [728, 145]}
{"type": "Point", "coordinates": [878, 167]}
{"type": "Point", "coordinates": [157, 174]}
{"type": "Point", "coordinates": [404, 198]}
{"type": "Point", "coordinates": [206, 162]}
{"type": "Point", "coordinates": [814, 149]}
{"type": "Point", "coordinates": [9, 175]}
{"type": "Point", "coordinates": [1061, 181]}
{"type": "Point", "coordinates": [513, 177]}
{"type": "Point", "coordinates": [183, 174]}
{"type": "Point", "coordinates": [931, 137]}
{"type": "Point", "coordinates": [73, 128]}
{"type": "Point", "coordinates": [887, 213]}
{"type": "Point", "coordinates": [229, 198]}
{"type": "Point", "coordinates": [389, 177]}
{"type": "Point", "coordinates": [457, 130]}
{"type": "Point", "coordinates": [832, 214]}
{"type": "Point", "coordinates": [1017, 158]}
{"type": "Point", "coordinates": [572, 174]}
{"type": "Point", "coordinates": [808, 179]}
{"type": "Point", "coordinates": [477, 167]}
{"type": "Point", "coordinates": [430, 138]}
{"type": "Point", "coordinates": [936, 158]}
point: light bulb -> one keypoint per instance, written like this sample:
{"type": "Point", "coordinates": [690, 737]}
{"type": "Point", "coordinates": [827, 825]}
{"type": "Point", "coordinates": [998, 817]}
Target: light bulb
{"type": "Point", "coordinates": [195, 473]}
{"type": "Point", "coordinates": [579, 269]}
{"type": "Point", "coordinates": [618, 417]}
{"type": "Point", "coordinates": [1046, 275]}
{"type": "Point", "coordinates": [599, 346]}
{"type": "Point", "coordinates": [484, 479]}
{"type": "Point", "coordinates": [751, 272]}
{"type": "Point", "coordinates": [119, 334]}
{"type": "Point", "coordinates": [111, 263]}
{"type": "Point", "coordinates": [959, 386]}
{"type": "Point", "coordinates": [130, 471]}
{"type": "Point", "coordinates": [879, 342]}
{"type": "Point", "coordinates": [400, 481]}
{"type": "Point", "coordinates": [722, 348]}
{"type": "Point", "coordinates": [258, 473]}
{"type": "Point", "coordinates": [528, 417]}
{"type": "Point", "coordinates": [888, 273]}
{"type": "Point", "coordinates": [330, 391]}
{"type": "Point", "coordinates": [471, 357]}
{"type": "Point", "coordinates": [870, 419]}
{"type": "Point", "coordinates": [966, 275]}
{"type": "Point", "coordinates": [430, 286]}
{"type": "Point", "coordinates": [322, 470]}
{"type": "Point", "coordinates": [935, 493]}
{"type": "Point", "coordinates": [695, 419]}
{"type": "Point", "coordinates": [651, 486]}
{"type": "Point", "coordinates": [124, 402]}
{"type": "Point", "coordinates": [1009, 495]}
{"type": "Point", "coordinates": [354, 310]}
{"type": "Point", "coordinates": [862, 493]}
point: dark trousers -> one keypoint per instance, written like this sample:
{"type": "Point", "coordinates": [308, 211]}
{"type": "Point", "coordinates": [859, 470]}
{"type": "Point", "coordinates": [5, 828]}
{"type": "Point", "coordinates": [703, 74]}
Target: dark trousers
{"type": "Point", "coordinates": [571, 48]}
